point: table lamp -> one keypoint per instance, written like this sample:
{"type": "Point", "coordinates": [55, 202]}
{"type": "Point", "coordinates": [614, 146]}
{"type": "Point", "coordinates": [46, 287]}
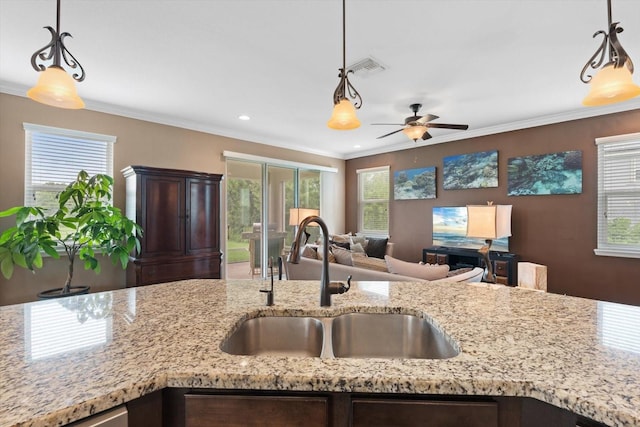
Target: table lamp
{"type": "Point", "coordinates": [296, 215]}
{"type": "Point", "coordinates": [488, 222]}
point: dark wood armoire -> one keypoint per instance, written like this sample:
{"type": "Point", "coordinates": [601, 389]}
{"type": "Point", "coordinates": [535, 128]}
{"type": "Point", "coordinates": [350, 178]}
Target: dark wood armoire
{"type": "Point", "coordinates": [179, 212]}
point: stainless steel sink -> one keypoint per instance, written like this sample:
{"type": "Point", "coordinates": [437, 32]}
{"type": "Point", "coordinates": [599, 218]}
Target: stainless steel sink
{"type": "Point", "coordinates": [354, 335]}
{"type": "Point", "coordinates": [388, 336]}
{"type": "Point", "coordinates": [290, 336]}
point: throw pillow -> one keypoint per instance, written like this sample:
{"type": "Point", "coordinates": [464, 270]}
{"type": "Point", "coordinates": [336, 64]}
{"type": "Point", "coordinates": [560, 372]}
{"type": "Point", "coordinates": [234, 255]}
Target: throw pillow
{"type": "Point", "coordinates": [332, 258]}
{"type": "Point", "coordinates": [309, 252]}
{"type": "Point", "coordinates": [342, 238]}
{"type": "Point", "coordinates": [358, 239]}
{"type": "Point", "coordinates": [376, 248]}
{"type": "Point", "coordinates": [426, 272]}
{"type": "Point", "coordinates": [363, 261]}
{"type": "Point", "coordinates": [357, 248]}
{"type": "Point", "coordinates": [345, 245]}
{"type": "Point", "coordinates": [342, 255]}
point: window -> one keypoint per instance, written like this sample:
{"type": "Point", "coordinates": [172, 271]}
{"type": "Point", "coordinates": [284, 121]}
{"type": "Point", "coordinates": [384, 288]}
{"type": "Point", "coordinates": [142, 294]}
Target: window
{"type": "Point", "coordinates": [619, 196]}
{"type": "Point", "coordinates": [54, 156]}
{"type": "Point", "coordinates": [373, 200]}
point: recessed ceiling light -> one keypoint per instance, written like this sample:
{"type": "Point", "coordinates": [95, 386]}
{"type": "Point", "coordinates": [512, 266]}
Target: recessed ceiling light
{"type": "Point", "coordinates": [244, 117]}
{"type": "Point", "coordinates": [356, 146]}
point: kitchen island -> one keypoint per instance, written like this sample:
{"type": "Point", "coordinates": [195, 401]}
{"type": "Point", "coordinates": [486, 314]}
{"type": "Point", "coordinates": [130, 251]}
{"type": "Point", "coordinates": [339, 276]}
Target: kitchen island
{"type": "Point", "coordinates": [61, 361]}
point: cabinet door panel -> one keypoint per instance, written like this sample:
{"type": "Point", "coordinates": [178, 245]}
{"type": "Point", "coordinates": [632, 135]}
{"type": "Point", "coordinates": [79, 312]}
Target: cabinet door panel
{"type": "Point", "coordinates": [203, 200]}
{"type": "Point", "coordinates": [163, 216]}
{"type": "Point", "coordinates": [407, 413]}
{"type": "Point", "coordinates": [179, 269]}
{"type": "Point", "coordinates": [264, 411]}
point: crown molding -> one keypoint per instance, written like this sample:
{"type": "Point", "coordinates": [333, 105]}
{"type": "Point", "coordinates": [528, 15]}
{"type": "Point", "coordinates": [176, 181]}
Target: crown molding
{"type": "Point", "coordinates": [582, 113]}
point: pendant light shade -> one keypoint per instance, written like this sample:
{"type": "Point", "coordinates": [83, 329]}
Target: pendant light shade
{"type": "Point", "coordinates": [56, 88]}
{"type": "Point", "coordinates": [414, 132]}
{"type": "Point", "coordinates": [344, 116]}
{"type": "Point", "coordinates": [610, 85]}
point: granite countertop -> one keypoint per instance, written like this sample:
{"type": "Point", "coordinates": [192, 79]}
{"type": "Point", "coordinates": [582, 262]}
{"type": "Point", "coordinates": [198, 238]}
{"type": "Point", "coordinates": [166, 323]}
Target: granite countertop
{"type": "Point", "coordinates": [62, 361]}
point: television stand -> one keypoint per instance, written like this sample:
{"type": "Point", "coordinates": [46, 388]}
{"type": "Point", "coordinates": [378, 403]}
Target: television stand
{"type": "Point", "coordinates": [505, 266]}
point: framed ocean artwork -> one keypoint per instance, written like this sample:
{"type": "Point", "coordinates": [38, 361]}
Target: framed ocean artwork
{"type": "Point", "coordinates": [554, 173]}
{"type": "Point", "coordinates": [474, 170]}
{"type": "Point", "coordinates": [414, 184]}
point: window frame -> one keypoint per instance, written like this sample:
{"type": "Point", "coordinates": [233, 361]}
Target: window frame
{"type": "Point", "coordinates": [362, 203]}
{"type": "Point", "coordinates": [86, 137]}
{"type": "Point", "coordinates": [627, 187]}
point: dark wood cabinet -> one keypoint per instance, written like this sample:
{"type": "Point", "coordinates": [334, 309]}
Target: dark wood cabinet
{"type": "Point", "coordinates": [505, 265]}
{"type": "Point", "coordinates": [179, 212]}
{"type": "Point", "coordinates": [203, 410]}
{"type": "Point", "coordinates": [414, 413]}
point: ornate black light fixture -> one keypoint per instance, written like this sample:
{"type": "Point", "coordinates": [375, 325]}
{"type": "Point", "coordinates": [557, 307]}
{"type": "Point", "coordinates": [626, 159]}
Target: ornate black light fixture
{"type": "Point", "coordinates": [55, 87]}
{"type": "Point", "coordinates": [344, 112]}
{"type": "Point", "coordinates": [613, 82]}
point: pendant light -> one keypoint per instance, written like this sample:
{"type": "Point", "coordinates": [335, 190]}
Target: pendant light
{"type": "Point", "coordinates": [55, 86]}
{"type": "Point", "coordinates": [344, 112]}
{"type": "Point", "coordinates": [612, 83]}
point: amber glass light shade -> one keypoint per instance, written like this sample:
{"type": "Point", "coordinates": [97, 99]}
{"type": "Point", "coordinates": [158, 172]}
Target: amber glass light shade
{"type": "Point", "coordinates": [611, 85]}
{"type": "Point", "coordinates": [414, 132]}
{"type": "Point", "coordinates": [344, 116]}
{"type": "Point", "coordinates": [56, 88]}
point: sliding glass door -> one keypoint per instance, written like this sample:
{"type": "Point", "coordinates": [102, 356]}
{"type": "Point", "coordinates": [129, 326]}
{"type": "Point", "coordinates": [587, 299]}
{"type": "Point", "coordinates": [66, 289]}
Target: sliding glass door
{"type": "Point", "coordinates": [261, 193]}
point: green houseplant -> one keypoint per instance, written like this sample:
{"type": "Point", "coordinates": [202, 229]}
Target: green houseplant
{"type": "Point", "coordinates": [82, 224]}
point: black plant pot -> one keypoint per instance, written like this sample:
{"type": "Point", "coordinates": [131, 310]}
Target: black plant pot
{"type": "Point", "coordinates": [57, 292]}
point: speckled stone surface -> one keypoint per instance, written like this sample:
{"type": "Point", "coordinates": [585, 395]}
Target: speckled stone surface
{"type": "Point", "coordinates": [62, 363]}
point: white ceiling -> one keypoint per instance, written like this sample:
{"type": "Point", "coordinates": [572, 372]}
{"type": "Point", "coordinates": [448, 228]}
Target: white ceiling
{"type": "Point", "coordinates": [492, 64]}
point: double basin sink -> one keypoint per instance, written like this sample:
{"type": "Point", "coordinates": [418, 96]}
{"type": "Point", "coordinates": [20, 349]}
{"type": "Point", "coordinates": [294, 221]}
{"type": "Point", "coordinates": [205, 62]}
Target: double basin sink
{"type": "Point", "coordinates": [352, 335]}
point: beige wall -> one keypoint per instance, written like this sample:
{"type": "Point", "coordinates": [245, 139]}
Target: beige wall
{"type": "Point", "coordinates": [558, 231]}
{"type": "Point", "coordinates": [139, 142]}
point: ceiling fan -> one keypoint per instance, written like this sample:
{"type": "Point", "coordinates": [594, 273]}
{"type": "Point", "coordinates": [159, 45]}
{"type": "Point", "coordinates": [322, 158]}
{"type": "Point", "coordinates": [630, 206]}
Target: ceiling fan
{"type": "Point", "coordinates": [416, 127]}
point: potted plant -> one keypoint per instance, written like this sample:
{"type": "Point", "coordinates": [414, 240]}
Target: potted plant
{"type": "Point", "coordinates": [83, 224]}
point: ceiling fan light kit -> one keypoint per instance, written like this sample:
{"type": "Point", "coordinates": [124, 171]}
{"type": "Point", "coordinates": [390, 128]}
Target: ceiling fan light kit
{"type": "Point", "coordinates": [417, 127]}
{"type": "Point", "coordinates": [613, 82]}
{"type": "Point", "coordinates": [55, 87]}
{"type": "Point", "coordinates": [344, 112]}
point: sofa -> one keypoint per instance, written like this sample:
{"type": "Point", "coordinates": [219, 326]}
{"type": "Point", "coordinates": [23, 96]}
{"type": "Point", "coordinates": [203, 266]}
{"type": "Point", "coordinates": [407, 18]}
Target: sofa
{"type": "Point", "coordinates": [311, 269]}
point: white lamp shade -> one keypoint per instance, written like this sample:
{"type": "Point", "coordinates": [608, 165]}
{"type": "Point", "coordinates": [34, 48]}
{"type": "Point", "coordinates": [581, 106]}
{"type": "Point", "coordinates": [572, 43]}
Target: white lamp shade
{"type": "Point", "coordinates": [296, 215]}
{"type": "Point", "coordinates": [611, 85]}
{"type": "Point", "coordinates": [489, 221]}
{"type": "Point", "coordinates": [56, 88]}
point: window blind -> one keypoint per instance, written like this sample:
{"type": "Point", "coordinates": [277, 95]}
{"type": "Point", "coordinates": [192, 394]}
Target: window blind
{"type": "Point", "coordinates": [373, 200]}
{"type": "Point", "coordinates": [619, 196]}
{"type": "Point", "coordinates": [54, 156]}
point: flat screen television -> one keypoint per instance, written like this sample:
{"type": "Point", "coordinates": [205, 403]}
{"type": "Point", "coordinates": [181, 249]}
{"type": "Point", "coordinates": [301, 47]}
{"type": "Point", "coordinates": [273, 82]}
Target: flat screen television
{"type": "Point", "coordinates": [450, 229]}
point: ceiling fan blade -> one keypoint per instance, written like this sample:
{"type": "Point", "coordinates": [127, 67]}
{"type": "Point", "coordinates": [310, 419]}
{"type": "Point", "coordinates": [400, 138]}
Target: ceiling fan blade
{"type": "Point", "coordinates": [390, 133]}
{"type": "Point", "coordinates": [447, 126]}
{"type": "Point", "coordinates": [427, 118]}
{"type": "Point", "coordinates": [426, 136]}
{"type": "Point", "coordinates": [388, 124]}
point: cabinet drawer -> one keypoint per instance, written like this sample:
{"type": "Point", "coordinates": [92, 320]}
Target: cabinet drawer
{"type": "Point", "coordinates": [409, 413]}
{"type": "Point", "coordinates": [503, 280]}
{"type": "Point", "coordinates": [268, 411]}
{"type": "Point", "coordinates": [502, 268]}
{"type": "Point", "coordinates": [431, 258]}
{"type": "Point", "coordinates": [442, 259]}
{"type": "Point", "coordinates": [198, 268]}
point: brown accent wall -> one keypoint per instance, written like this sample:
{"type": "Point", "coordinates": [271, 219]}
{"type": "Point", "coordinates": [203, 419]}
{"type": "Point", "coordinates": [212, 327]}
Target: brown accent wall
{"type": "Point", "coordinates": [138, 142]}
{"type": "Point", "coordinates": [558, 231]}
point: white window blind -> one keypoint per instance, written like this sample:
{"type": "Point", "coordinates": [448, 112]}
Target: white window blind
{"type": "Point", "coordinates": [619, 196]}
{"type": "Point", "coordinates": [54, 156]}
{"type": "Point", "coordinates": [373, 200]}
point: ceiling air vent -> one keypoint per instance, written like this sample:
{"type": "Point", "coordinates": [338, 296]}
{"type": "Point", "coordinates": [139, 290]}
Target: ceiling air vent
{"type": "Point", "coordinates": [366, 67]}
